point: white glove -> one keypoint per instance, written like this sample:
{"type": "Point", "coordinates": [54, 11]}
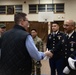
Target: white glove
{"type": "Point", "coordinates": [71, 63]}
{"type": "Point", "coordinates": [66, 70]}
{"type": "Point", "coordinates": [46, 58]}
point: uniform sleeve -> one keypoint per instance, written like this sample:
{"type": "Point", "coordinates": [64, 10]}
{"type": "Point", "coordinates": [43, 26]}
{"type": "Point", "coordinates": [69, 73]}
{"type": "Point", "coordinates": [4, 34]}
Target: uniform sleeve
{"type": "Point", "coordinates": [73, 55]}
{"type": "Point", "coordinates": [48, 43]}
{"type": "Point", "coordinates": [40, 45]}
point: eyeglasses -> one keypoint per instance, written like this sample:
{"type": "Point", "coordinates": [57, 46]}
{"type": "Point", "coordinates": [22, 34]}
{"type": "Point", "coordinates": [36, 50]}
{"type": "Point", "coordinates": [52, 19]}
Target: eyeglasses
{"type": "Point", "coordinates": [67, 25]}
{"type": "Point", "coordinates": [27, 20]}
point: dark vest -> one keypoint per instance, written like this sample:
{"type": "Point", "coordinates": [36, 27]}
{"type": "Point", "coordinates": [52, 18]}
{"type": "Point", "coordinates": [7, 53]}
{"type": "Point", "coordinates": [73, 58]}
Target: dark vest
{"type": "Point", "coordinates": [15, 59]}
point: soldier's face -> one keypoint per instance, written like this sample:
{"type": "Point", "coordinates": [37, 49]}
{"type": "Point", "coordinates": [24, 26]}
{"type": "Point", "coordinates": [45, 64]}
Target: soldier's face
{"type": "Point", "coordinates": [33, 33]}
{"type": "Point", "coordinates": [68, 27]}
{"type": "Point", "coordinates": [55, 27]}
{"type": "Point", "coordinates": [2, 30]}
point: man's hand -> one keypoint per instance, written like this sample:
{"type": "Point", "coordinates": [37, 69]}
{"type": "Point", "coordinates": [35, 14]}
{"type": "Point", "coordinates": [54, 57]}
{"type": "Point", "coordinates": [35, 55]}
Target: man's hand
{"type": "Point", "coordinates": [66, 70]}
{"type": "Point", "coordinates": [48, 53]}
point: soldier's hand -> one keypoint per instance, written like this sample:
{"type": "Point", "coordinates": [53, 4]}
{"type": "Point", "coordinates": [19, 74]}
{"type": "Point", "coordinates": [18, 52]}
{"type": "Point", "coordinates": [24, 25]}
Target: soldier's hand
{"type": "Point", "coordinates": [72, 63]}
{"type": "Point", "coordinates": [48, 53]}
{"type": "Point", "coordinates": [66, 70]}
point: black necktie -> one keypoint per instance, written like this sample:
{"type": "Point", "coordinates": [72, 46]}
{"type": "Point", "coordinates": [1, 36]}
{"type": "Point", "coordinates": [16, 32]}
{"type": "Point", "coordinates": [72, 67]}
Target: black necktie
{"type": "Point", "coordinates": [67, 36]}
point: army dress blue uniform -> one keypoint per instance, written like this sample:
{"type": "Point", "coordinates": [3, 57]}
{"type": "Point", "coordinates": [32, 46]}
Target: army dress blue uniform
{"type": "Point", "coordinates": [68, 46]}
{"type": "Point", "coordinates": [57, 61]}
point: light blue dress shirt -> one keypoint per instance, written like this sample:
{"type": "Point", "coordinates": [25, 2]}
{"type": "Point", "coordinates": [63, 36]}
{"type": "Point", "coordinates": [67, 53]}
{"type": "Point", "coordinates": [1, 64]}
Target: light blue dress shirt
{"type": "Point", "coordinates": [32, 50]}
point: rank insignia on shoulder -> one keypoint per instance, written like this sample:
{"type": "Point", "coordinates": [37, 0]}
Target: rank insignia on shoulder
{"type": "Point", "coordinates": [49, 37]}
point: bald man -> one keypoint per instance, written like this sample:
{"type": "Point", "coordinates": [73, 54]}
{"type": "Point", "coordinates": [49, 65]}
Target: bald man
{"type": "Point", "coordinates": [70, 45]}
{"type": "Point", "coordinates": [67, 45]}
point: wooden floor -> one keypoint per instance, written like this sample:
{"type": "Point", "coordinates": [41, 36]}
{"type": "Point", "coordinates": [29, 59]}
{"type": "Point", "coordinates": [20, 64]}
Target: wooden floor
{"type": "Point", "coordinates": [45, 69]}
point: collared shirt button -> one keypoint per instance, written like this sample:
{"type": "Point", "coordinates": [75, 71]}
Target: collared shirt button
{"type": "Point", "coordinates": [19, 68]}
{"type": "Point", "coordinates": [53, 47]}
{"type": "Point", "coordinates": [65, 57]}
{"type": "Point", "coordinates": [61, 50]}
{"type": "Point", "coordinates": [66, 49]}
{"type": "Point", "coordinates": [65, 52]}
{"type": "Point", "coordinates": [65, 45]}
{"type": "Point", "coordinates": [53, 44]}
{"type": "Point", "coordinates": [53, 41]}
{"type": "Point", "coordinates": [23, 69]}
{"type": "Point", "coordinates": [53, 38]}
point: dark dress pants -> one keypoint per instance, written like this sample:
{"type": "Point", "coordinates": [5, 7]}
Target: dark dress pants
{"type": "Point", "coordinates": [72, 72]}
{"type": "Point", "coordinates": [56, 66]}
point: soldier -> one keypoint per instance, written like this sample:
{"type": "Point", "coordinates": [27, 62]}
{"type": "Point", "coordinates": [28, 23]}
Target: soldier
{"type": "Point", "coordinates": [56, 61]}
{"type": "Point", "coordinates": [2, 29]}
{"type": "Point", "coordinates": [67, 44]}
{"type": "Point", "coordinates": [39, 44]}
{"type": "Point", "coordinates": [70, 44]}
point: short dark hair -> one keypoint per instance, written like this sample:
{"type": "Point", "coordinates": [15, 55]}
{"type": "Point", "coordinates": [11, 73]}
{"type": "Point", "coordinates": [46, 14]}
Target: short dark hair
{"type": "Point", "coordinates": [55, 23]}
{"type": "Point", "coordinates": [34, 30]}
{"type": "Point", "coordinates": [19, 16]}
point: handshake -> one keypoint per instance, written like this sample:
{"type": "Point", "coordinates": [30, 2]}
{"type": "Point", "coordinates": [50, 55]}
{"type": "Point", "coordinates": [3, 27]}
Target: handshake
{"type": "Point", "coordinates": [71, 63]}
{"type": "Point", "coordinates": [48, 54]}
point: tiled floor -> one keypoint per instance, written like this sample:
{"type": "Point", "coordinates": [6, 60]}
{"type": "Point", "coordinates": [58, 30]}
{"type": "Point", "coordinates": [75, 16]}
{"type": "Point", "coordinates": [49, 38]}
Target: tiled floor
{"type": "Point", "coordinates": [45, 69]}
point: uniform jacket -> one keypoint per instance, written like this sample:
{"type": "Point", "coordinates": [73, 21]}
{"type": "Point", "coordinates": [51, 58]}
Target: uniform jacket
{"type": "Point", "coordinates": [67, 45]}
{"type": "Point", "coordinates": [52, 41]}
{"type": "Point", "coordinates": [39, 44]}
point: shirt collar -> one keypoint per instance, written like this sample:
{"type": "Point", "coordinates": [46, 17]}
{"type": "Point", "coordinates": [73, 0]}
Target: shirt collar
{"type": "Point", "coordinates": [55, 32]}
{"type": "Point", "coordinates": [70, 34]}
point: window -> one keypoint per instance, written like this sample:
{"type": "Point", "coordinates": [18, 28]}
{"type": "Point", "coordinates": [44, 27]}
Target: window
{"type": "Point", "coordinates": [32, 8]}
{"type": "Point", "coordinates": [56, 8]}
{"type": "Point", "coordinates": [59, 8]}
{"type": "Point", "coordinates": [41, 8]}
{"type": "Point", "coordinates": [18, 8]}
{"type": "Point", "coordinates": [2, 9]}
{"type": "Point", "coordinates": [50, 7]}
{"type": "Point", "coordinates": [10, 9]}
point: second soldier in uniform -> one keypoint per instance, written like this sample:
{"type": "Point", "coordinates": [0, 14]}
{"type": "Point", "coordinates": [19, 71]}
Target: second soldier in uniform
{"type": "Point", "coordinates": [67, 45]}
{"type": "Point", "coordinates": [39, 44]}
{"type": "Point", "coordinates": [53, 39]}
